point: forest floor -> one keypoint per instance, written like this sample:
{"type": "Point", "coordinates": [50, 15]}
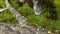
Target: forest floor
{"type": "Point", "coordinates": [41, 21]}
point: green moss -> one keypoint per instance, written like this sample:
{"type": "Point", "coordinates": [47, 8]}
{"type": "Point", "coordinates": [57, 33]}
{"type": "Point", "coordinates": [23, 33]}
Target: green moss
{"type": "Point", "coordinates": [6, 16]}
{"type": "Point", "coordinates": [25, 10]}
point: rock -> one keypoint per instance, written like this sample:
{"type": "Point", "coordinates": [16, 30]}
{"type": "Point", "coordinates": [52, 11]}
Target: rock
{"type": "Point", "coordinates": [17, 29]}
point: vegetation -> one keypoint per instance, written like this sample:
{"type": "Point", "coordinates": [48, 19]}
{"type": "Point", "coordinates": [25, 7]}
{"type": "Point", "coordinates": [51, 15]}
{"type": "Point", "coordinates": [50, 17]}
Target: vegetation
{"type": "Point", "coordinates": [27, 11]}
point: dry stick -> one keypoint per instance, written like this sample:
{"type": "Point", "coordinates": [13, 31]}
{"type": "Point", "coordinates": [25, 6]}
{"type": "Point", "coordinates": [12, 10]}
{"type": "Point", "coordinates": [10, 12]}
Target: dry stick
{"type": "Point", "coordinates": [1, 10]}
{"type": "Point", "coordinates": [22, 20]}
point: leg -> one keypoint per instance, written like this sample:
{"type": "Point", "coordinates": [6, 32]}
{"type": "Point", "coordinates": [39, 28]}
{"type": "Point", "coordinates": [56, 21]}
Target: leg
{"type": "Point", "coordinates": [37, 7]}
